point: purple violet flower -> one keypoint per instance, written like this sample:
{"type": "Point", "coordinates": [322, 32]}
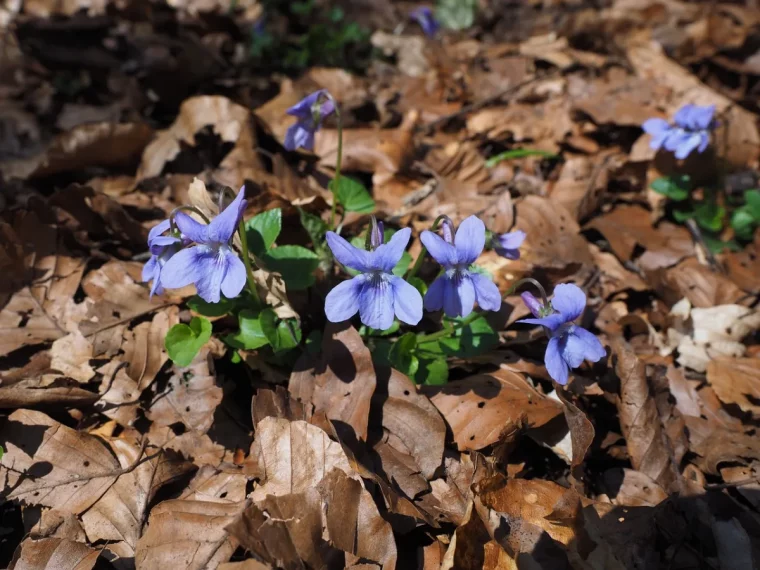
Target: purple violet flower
{"type": "Point", "coordinates": [569, 345]}
{"type": "Point", "coordinates": [425, 18]}
{"type": "Point", "coordinates": [163, 247]}
{"type": "Point", "coordinates": [375, 293]}
{"type": "Point", "coordinates": [457, 289]}
{"type": "Point", "coordinates": [310, 112]}
{"type": "Point", "coordinates": [691, 130]}
{"type": "Point", "coordinates": [508, 245]}
{"type": "Point", "coordinates": [212, 265]}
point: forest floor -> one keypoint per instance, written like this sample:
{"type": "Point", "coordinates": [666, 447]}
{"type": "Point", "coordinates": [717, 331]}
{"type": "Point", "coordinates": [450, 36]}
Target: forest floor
{"type": "Point", "coordinates": [335, 446]}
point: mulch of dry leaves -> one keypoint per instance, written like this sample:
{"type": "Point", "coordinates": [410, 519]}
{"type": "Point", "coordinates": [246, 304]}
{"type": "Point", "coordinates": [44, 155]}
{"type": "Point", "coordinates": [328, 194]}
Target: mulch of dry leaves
{"type": "Point", "coordinates": [116, 458]}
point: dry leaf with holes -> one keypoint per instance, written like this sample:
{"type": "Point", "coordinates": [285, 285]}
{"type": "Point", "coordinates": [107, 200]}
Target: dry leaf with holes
{"type": "Point", "coordinates": [488, 408]}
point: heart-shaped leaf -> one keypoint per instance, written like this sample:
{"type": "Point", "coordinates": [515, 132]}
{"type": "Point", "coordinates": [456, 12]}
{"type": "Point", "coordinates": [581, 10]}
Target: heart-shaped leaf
{"type": "Point", "coordinates": [184, 341]}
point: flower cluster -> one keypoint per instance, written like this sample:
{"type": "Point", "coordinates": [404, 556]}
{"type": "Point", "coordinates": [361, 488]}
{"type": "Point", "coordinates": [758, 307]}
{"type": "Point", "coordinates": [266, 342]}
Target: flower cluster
{"type": "Point", "coordinates": [689, 131]}
{"type": "Point", "coordinates": [569, 344]}
{"type": "Point", "coordinates": [377, 295]}
{"type": "Point", "coordinates": [211, 264]}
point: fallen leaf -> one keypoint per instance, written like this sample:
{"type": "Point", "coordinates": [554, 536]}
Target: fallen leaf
{"type": "Point", "coordinates": [341, 383]}
{"type": "Point", "coordinates": [71, 356]}
{"type": "Point", "coordinates": [144, 347]}
{"type": "Point", "coordinates": [96, 144]}
{"type": "Point", "coordinates": [191, 534]}
{"type": "Point", "coordinates": [648, 445]}
{"type": "Point", "coordinates": [231, 122]}
{"type": "Point", "coordinates": [49, 464]}
{"type": "Point", "coordinates": [488, 408]}
{"type": "Point", "coordinates": [53, 554]}
{"type": "Point", "coordinates": [702, 286]}
{"type": "Point", "coordinates": [717, 331]}
{"type": "Point", "coordinates": [630, 488]}
{"type": "Point", "coordinates": [628, 226]}
{"type": "Point", "coordinates": [736, 381]}
{"type": "Point", "coordinates": [191, 396]}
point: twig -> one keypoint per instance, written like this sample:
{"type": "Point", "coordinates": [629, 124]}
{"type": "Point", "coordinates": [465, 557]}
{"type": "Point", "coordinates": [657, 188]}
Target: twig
{"type": "Point", "coordinates": [697, 236]}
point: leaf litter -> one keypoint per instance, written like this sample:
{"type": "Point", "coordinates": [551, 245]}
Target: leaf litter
{"type": "Point", "coordinates": [337, 456]}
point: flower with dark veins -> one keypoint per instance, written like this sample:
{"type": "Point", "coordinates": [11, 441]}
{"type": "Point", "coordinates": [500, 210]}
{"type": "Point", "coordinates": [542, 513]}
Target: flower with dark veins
{"type": "Point", "coordinates": [569, 344]}
{"type": "Point", "coordinates": [375, 293]}
{"type": "Point", "coordinates": [456, 290]}
{"type": "Point", "coordinates": [310, 112]}
{"type": "Point", "coordinates": [211, 264]}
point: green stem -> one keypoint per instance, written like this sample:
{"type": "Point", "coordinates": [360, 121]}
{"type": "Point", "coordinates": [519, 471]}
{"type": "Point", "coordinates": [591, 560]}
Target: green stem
{"type": "Point", "coordinates": [247, 262]}
{"type": "Point", "coordinates": [425, 338]}
{"type": "Point", "coordinates": [421, 257]}
{"type": "Point", "coordinates": [338, 162]}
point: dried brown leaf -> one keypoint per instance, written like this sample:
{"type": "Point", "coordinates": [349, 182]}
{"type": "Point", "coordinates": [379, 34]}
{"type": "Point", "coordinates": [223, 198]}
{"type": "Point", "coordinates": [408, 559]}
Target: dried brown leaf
{"type": "Point", "coordinates": [187, 534]}
{"type": "Point", "coordinates": [557, 242]}
{"type": "Point", "coordinates": [648, 446]}
{"type": "Point", "coordinates": [144, 347]}
{"type": "Point", "coordinates": [49, 464]}
{"type": "Point", "coordinates": [231, 122]}
{"type": "Point", "coordinates": [54, 554]}
{"type": "Point", "coordinates": [702, 286]}
{"type": "Point", "coordinates": [484, 409]}
{"type": "Point", "coordinates": [630, 488]}
{"type": "Point", "coordinates": [628, 226]}
{"type": "Point", "coordinates": [736, 381]}
{"type": "Point", "coordinates": [341, 383]}
{"type": "Point", "coordinates": [191, 396]}
{"type": "Point", "coordinates": [70, 355]}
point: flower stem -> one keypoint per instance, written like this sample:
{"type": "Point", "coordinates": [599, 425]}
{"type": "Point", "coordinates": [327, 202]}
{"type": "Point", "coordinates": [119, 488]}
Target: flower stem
{"type": "Point", "coordinates": [421, 257]}
{"type": "Point", "coordinates": [425, 338]}
{"type": "Point", "coordinates": [338, 161]}
{"type": "Point", "coordinates": [247, 262]}
{"type": "Point", "coordinates": [533, 282]}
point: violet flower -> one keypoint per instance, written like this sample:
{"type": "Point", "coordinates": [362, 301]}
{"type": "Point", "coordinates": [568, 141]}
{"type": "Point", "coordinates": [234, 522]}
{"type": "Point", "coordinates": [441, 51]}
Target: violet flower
{"type": "Point", "coordinates": [212, 265]}
{"type": "Point", "coordinates": [425, 18]}
{"type": "Point", "coordinates": [457, 289]}
{"type": "Point", "coordinates": [569, 344]}
{"type": "Point", "coordinates": [375, 293]}
{"type": "Point", "coordinates": [508, 245]}
{"type": "Point", "coordinates": [163, 247]}
{"type": "Point", "coordinates": [691, 130]}
{"type": "Point", "coordinates": [310, 112]}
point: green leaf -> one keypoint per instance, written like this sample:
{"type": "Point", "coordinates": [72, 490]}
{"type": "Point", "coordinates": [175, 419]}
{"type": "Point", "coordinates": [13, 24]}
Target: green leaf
{"type": "Point", "coordinates": [314, 226]}
{"type": "Point", "coordinates": [474, 339]}
{"type": "Point", "coordinates": [369, 331]}
{"type": "Point", "coordinates": [281, 334]}
{"type": "Point", "coordinates": [682, 216]}
{"type": "Point", "coordinates": [295, 263]}
{"type": "Point", "coordinates": [432, 371]}
{"type": "Point", "coordinates": [517, 153]}
{"type": "Point", "coordinates": [674, 187]}
{"type": "Point", "coordinates": [262, 229]}
{"type": "Point", "coordinates": [456, 14]}
{"type": "Point", "coordinates": [352, 195]}
{"type": "Point", "coordinates": [250, 336]}
{"type": "Point", "coordinates": [402, 265]}
{"type": "Point", "coordinates": [418, 284]}
{"type": "Point", "coordinates": [743, 223]}
{"type": "Point", "coordinates": [710, 216]}
{"type": "Point", "coordinates": [184, 341]}
{"type": "Point", "coordinates": [716, 245]}
{"type": "Point", "coordinates": [752, 200]}
{"type": "Point", "coordinates": [402, 356]}
{"type": "Point", "coordinates": [223, 307]}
